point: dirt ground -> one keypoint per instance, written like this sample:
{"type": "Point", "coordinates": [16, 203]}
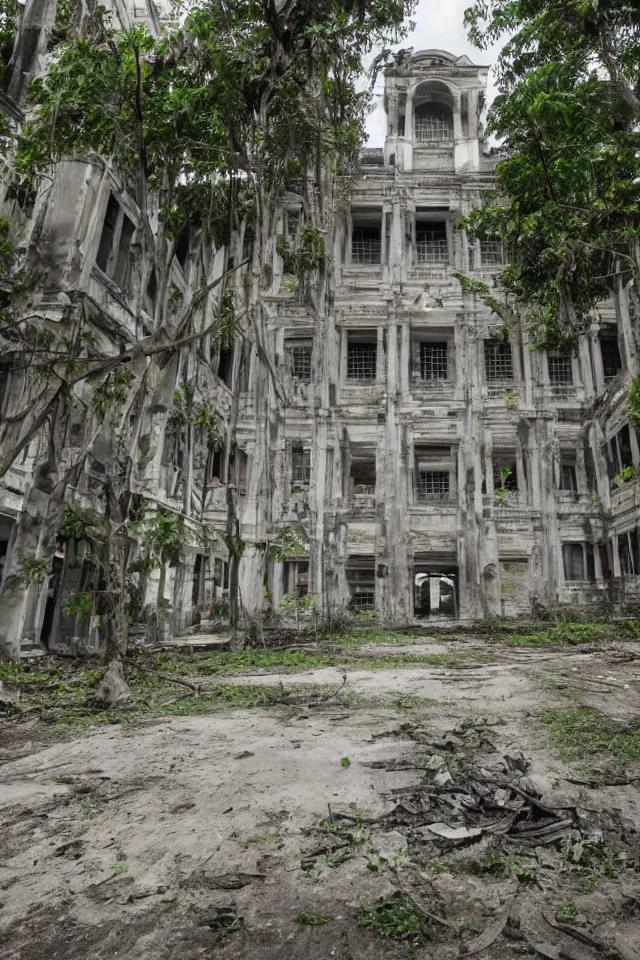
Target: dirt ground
{"type": "Point", "coordinates": [432, 809]}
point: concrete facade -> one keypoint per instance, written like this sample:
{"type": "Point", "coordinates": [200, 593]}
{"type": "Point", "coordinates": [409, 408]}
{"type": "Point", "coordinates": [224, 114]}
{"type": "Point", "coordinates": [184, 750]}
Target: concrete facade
{"type": "Point", "coordinates": [438, 465]}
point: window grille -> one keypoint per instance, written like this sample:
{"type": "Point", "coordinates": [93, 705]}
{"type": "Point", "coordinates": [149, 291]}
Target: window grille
{"type": "Point", "coordinates": [433, 124]}
{"type": "Point", "coordinates": [365, 245]}
{"type": "Point", "coordinates": [611, 362]}
{"type": "Point", "coordinates": [491, 253]}
{"type": "Point", "coordinates": [362, 588]}
{"type": "Point", "coordinates": [560, 369]}
{"type": "Point", "coordinates": [498, 361]}
{"type": "Point", "coordinates": [361, 361]}
{"type": "Point", "coordinates": [433, 361]}
{"type": "Point", "coordinates": [300, 465]}
{"type": "Point", "coordinates": [432, 245]}
{"type": "Point", "coordinates": [299, 360]}
{"type": "Point", "coordinates": [433, 485]}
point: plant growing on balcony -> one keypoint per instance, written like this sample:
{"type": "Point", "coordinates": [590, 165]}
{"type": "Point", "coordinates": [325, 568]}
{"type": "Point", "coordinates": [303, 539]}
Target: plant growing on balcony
{"type": "Point", "coordinates": [625, 475]}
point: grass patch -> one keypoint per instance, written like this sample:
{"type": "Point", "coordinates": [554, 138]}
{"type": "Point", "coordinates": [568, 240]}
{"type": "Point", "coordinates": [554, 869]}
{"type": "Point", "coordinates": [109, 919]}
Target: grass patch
{"type": "Point", "coordinates": [498, 864]}
{"type": "Point", "coordinates": [362, 637]}
{"type": "Point", "coordinates": [309, 920]}
{"type": "Point", "coordinates": [574, 633]}
{"type": "Point", "coordinates": [397, 918]}
{"type": "Point", "coordinates": [582, 731]}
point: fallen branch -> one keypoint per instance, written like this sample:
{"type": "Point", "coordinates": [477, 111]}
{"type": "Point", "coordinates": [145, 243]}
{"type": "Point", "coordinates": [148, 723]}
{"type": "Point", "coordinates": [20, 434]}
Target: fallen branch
{"type": "Point", "coordinates": [329, 696]}
{"type": "Point", "coordinates": [489, 935]}
{"type": "Point", "coordinates": [168, 678]}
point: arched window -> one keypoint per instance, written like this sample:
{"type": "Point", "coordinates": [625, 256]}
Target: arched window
{"type": "Point", "coordinates": [433, 123]}
{"type": "Point", "coordinates": [433, 113]}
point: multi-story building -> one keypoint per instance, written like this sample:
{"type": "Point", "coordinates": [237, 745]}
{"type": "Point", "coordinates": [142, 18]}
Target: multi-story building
{"type": "Point", "coordinates": [438, 464]}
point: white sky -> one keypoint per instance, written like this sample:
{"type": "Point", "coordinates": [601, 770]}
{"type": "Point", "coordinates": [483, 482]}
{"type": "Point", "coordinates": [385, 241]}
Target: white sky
{"type": "Point", "coordinates": [439, 25]}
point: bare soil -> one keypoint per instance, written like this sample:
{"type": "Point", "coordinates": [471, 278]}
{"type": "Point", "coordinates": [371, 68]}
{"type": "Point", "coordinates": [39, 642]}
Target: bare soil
{"type": "Point", "coordinates": [208, 835]}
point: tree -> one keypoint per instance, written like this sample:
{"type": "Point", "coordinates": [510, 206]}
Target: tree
{"type": "Point", "coordinates": [566, 206]}
{"type": "Point", "coordinates": [208, 128]}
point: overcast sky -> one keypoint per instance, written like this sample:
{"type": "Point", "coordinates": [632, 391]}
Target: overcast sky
{"type": "Point", "coordinates": [439, 25]}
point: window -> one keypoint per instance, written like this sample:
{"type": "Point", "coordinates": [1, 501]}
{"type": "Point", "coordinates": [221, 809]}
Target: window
{"type": "Point", "coordinates": [366, 236]}
{"type": "Point", "coordinates": [113, 252]}
{"type": "Point", "coordinates": [505, 474]}
{"type": "Point", "coordinates": [299, 361]}
{"type": "Point", "coordinates": [433, 485]}
{"type": "Point", "coordinates": [363, 475]}
{"type": "Point", "coordinates": [611, 361]}
{"type": "Point", "coordinates": [498, 363]}
{"type": "Point", "coordinates": [433, 123]}
{"type": "Point", "coordinates": [291, 229]}
{"type": "Point", "coordinates": [625, 555]}
{"type": "Point", "coordinates": [361, 581]}
{"type": "Point", "coordinates": [365, 245]}
{"type": "Point", "coordinates": [568, 482]}
{"type": "Point", "coordinates": [300, 465]}
{"type": "Point", "coordinates": [433, 468]}
{"type": "Point", "coordinates": [431, 242]}
{"type": "Point", "coordinates": [225, 365]}
{"type": "Point", "coordinates": [434, 361]}
{"type": "Point", "coordinates": [362, 360]}
{"type": "Point", "coordinates": [247, 243]}
{"type": "Point", "coordinates": [491, 253]}
{"type": "Point", "coordinates": [578, 561]}
{"type": "Point", "coordinates": [560, 369]}
{"type": "Point", "coordinates": [296, 578]}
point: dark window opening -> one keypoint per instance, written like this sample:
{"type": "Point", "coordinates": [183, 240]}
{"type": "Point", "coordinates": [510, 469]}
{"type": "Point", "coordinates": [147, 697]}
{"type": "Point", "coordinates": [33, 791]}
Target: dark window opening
{"type": "Point", "coordinates": [300, 465]}
{"type": "Point", "coordinates": [362, 360]}
{"type": "Point", "coordinates": [432, 246]}
{"type": "Point", "coordinates": [225, 365]}
{"type": "Point", "coordinates": [199, 579]}
{"type": "Point", "coordinates": [401, 125]}
{"type": "Point", "coordinates": [498, 361]}
{"type": "Point", "coordinates": [248, 242]}
{"type": "Point", "coordinates": [624, 441]}
{"type": "Point", "coordinates": [560, 369]}
{"type": "Point", "coordinates": [434, 361]}
{"type": "Point", "coordinates": [182, 248]}
{"type": "Point", "coordinates": [625, 555]}
{"type": "Point", "coordinates": [108, 231]}
{"type": "Point", "coordinates": [505, 474]}
{"type": "Point", "coordinates": [363, 476]}
{"type": "Point", "coordinates": [611, 360]}
{"type": "Point", "coordinates": [578, 562]}
{"type": "Point", "coordinates": [568, 481]}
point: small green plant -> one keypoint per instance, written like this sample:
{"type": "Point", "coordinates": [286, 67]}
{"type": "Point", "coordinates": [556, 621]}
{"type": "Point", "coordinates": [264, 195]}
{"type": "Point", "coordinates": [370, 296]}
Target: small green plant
{"type": "Point", "coordinates": [502, 865]}
{"type": "Point", "coordinates": [568, 913]}
{"type": "Point", "coordinates": [310, 920]}
{"type": "Point", "coordinates": [120, 867]}
{"type": "Point", "coordinates": [625, 475]}
{"type": "Point", "coordinates": [78, 605]}
{"type": "Point", "coordinates": [397, 918]}
{"type": "Point", "coordinates": [511, 400]}
{"type": "Point", "coordinates": [345, 762]}
{"type": "Point", "coordinates": [595, 499]}
{"type": "Point", "coordinates": [442, 866]}
{"type": "Point", "coordinates": [33, 570]}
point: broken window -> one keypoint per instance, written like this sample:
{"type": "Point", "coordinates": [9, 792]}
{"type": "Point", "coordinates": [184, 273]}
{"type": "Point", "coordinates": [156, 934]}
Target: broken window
{"type": "Point", "coordinates": [300, 465]}
{"type": "Point", "coordinates": [363, 474]}
{"type": "Point", "coordinates": [560, 369]}
{"type": "Point", "coordinates": [611, 360]}
{"type": "Point", "coordinates": [366, 237]}
{"type": "Point", "coordinates": [578, 561]}
{"type": "Point", "coordinates": [113, 252]}
{"type": "Point", "coordinates": [298, 356]}
{"type": "Point", "coordinates": [432, 246]}
{"type": "Point", "coordinates": [433, 467]}
{"type": "Point", "coordinates": [498, 362]}
{"type": "Point", "coordinates": [433, 123]}
{"type": "Point", "coordinates": [361, 581]}
{"type": "Point", "coordinates": [434, 361]}
{"type": "Point", "coordinates": [362, 359]}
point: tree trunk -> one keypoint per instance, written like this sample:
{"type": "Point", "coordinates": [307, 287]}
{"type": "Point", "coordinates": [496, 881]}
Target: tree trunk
{"type": "Point", "coordinates": [113, 690]}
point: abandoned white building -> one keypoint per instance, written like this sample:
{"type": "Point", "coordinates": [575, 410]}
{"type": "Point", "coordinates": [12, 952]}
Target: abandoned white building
{"type": "Point", "coordinates": [435, 464]}
{"type": "Point", "coordinates": [438, 464]}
